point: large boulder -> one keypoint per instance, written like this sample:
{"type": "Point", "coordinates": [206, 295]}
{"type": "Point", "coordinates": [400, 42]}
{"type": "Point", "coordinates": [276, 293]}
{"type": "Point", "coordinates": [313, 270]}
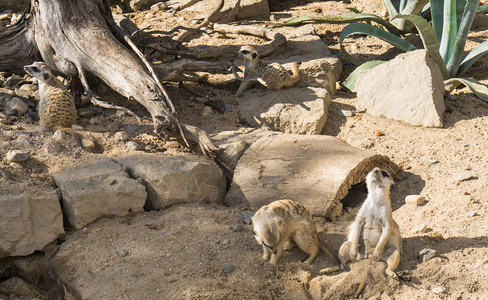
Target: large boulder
{"type": "Point", "coordinates": [408, 88]}
{"type": "Point", "coordinates": [96, 189]}
{"type": "Point", "coordinates": [29, 219]}
{"type": "Point", "coordinates": [291, 110]}
{"type": "Point", "coordinates": [316, 171]}
{"type": "Point", "coordinates": [176, 179]}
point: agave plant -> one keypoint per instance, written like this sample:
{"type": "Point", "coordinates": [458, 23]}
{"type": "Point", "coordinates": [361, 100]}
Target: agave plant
{"type": "Point", "coordinates": [444, 39]}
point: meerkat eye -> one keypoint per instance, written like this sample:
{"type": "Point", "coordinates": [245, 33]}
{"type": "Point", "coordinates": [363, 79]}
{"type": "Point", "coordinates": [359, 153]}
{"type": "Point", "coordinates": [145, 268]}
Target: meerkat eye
{"type": "Point", "coordinates": [245, 52]}
{"type": "Point", "coordinates": [385, 174]}
{"type": "Point", "coordinates": [46, 76]}
{"type": "Point", "coordinates": [35, 69]}
{"type": "Point", "coordinates": [254, 55]}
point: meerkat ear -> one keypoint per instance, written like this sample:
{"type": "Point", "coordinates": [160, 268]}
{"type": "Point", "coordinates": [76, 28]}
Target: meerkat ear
{"type": "Point", "coordinates": [254, 55]}
{"type": "Point", "coordinates": [46, 76]}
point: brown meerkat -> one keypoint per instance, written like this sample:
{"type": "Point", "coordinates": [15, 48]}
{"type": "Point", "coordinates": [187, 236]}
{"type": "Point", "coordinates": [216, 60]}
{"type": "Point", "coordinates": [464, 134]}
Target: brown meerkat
{"type": "Point", "coordinates": [56, 105]}
{"type": "Point", "coordinates": [273, 76]}
{"type": "Point", "coordinates": [374, 226]}
{"type": "Point", "coordinates": [283, 224]}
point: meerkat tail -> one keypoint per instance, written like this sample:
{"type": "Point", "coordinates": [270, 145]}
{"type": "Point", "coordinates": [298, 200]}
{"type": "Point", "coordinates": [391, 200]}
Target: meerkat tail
{"type": "Point", "coordinates": [330, 253]}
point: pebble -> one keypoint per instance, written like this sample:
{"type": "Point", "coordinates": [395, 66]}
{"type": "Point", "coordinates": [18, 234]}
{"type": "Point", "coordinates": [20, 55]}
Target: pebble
{"type": "Point", "coordinates": [228, 107]}
{"type": "Point", "coordinates": [344, 113]}
{"type": "Point", "coordinates": [229, 268]}
{"type": "Point", "coordinates": [17, 156]}
{"type": "Point", "coordinates": [88, 143]}
{"type": "Point", "coordinates": [22, 139]}
{"type": "Point", "coordinates": [237, 227]}
{"type": "Point", "coordinates": [378, 133]}
{"type": "Point", "coordinates": [471, 213]}
{"type": "Point", "coordinates": [353, 138]}
{"type": "Point", "coordinates": [16, 165]}
{"type": "Point", "coordinates": [415, 199]}
{"type": "Point", "coordinates": [433, 161]}
{"type": "Point", "coordinates": [159, 6]}
{"type": "Point", "coordinates": [463, 176]}
{"type": "Point", "coordinates": [11, 112]}
{"type": "Point", "coordinates": [132, 127]}
{"type": "Point", "coordinates": [132, 145]}
{"type": "Point", "coordinates": [27, 87]}
{"type": "Point", "coordinates": [451, 97]}
{"type": "Point", "coordinates": [122, 253]}
{"type": "Point", "coordinates": [438, 290]}
{"type": "Point", "coordinates": [207, 111]}
{"type": "Point", "coordinates": [245, 216]}
{"type": "Point", "coordinates": [121, 136]}
{"type": "Point", "coordinates": [225, 242]}
{"type": "Point", "coordinates": [427, 254]}
{"type": "Point", "coordinates": [76, 127]}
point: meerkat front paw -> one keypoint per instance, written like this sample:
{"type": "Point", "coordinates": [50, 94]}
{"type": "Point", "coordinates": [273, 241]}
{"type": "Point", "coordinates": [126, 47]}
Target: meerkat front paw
{"type": "Point", "coordinates": [377, 254]}
{"type": "Point", "coordinates": [354, 254]}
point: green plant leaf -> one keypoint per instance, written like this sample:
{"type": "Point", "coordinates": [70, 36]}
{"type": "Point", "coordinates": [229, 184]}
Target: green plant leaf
{"type": "Point", "coordinates": [429, 40]}
{"type": "Point", "coordinates": [360, 28]}
{"type": "Point", "coordinates": [482, 8]}
{"type": "Point", "coordinates": [457, 54]}
{"type": "Point", "coordinates": [474, 85]}
{"type": "Point", "coordinates": [350, 82]}
{"type": "Point", "coordinates": [349, 18]}
{"type": "Point", "coordinates": [437, 12]}
{"type": "Point", "coordinates": [410, 7]}
{"type": "Point", "coordinates": [449, 29]}
{"type": "Point", "coordinates": [472, 57]}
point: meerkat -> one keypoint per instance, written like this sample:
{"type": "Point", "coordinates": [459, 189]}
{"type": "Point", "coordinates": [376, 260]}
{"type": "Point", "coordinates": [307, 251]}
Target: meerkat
{"type": "Point", "coordinates": [283, 224]}
{"type": "Point", "coordinates": [375, 226]}
{"type": "Point", "coordinates": [273, 76]}
{"type": "Point", "coordinates": [56, 106]}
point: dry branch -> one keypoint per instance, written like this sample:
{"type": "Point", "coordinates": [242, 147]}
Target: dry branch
{"type": "Point", "coordinates": [175, 71]}
{"type": "Point", "coordinates": [186, 33]}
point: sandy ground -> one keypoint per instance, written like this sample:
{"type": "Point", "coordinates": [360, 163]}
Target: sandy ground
{"type": "Point", "coordinates": [207, 252]}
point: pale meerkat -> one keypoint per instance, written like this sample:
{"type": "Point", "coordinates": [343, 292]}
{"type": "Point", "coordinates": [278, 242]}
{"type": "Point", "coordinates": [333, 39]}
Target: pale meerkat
{"type": "Point", "coordinates": [283, 224]}
{"type": "Point", "coordinates": [374, 225]}
{"type": "Point", "coordinates": [56, 105]}
{"type": "Point", "coordinates": [273, 76]}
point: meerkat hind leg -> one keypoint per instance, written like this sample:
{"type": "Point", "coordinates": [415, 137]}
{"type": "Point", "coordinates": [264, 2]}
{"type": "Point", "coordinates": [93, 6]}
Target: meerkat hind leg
{"type": "Point", "coordinates": [308, 245]}
{"type": "Point", "coordinates": [392, 260]}
{"type": "Point", "coordinates": [344, 257]}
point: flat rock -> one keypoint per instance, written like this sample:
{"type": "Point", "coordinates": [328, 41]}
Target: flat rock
{"type": "Point", "coordinates": [232, 145]}
{"type": "Point", "coordinates": [415, 200]}
{"type": "Point", "coordinates": [462, 176]}
{"type": "Point", "coordinates": [97, 189]}
{"type": "Point", "coordinates": [316, 171]}
{"type": "Point", "coordinates": [408, 88]}
{"type": "Point", "coordinates": [17, 156]}
{"type": "Point", "coordinates": [29, 220]}
{"type": "Point", "coordinates": [176, 179]}
{"type": "Point", "coordinates": [291, 110]}
{"type": "Point", "coordinates": [316, 73]}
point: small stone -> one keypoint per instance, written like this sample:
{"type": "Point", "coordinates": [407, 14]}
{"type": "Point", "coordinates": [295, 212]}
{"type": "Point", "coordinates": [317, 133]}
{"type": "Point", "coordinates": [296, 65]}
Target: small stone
{"type": "Point", "coordinates": [158, 7]}
{"type": "Point", "coordinates": [378, 133]}
{"type": "Point", "coordinates": [228, 107]}
{"type": "Point", "coordinates": [272, 18]}
{"type": "Point", "coordinates": [427, 254]}
{"type": "Point", "coordinates": [207, 111]}
{"type": "Point", "coordinates": [132, 127]}
{"type": "Point", "coordinates": [16, 165]}
{"type": "Point", "coordinates": [415, 199]}
{"type": "Point", "coordinates": [225, 242]}
{"type": "Point", "coordinates": [433, 161]}
{"type": "Point", "coordinates": [344, 113]}
{"type": "Point", "coordinates": [421, 228]}
{"type": "Point", "coordinates": [229, 268]}
{"type": "Point", "coordinates": [471, 213]}
{"type": "Point", "coordinates": [76, 127]}
{"type": "Point", "coordinates": [94, 121]}
{"type": "Point", "coordinates": [132, 145]}
{"type": "Point", "coordinates": [121, 136]}
{"type": "Point", "coordinates": [438, 290]}
{"type": "Point", "coordinates": [88, 143]}
{"type": "Point", "coordinates": [17, 156]}
{"type": "Point", "coordinates": [122, 253]}
{"type": "Point", "coordinates": [245, 216]}
{"type": "Point", "coordinates": [11, 112]}
{"type": "Point", "coordinates": [237, 227]}
{"type": "Point", "coordinates": [23, 139]}
{"type": "Point", "coordinates": [462, 176]}
{"type": "Point", "coordinates": [27, 87]}
{"type": "Point", "coordinates": [353, 138]}
{"type": "Point", "coordinates": [451, 97]}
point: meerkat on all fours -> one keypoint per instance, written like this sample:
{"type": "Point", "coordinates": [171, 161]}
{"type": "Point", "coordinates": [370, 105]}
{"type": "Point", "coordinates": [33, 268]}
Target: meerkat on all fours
{"type": "Point", "coordinates": [56, 105]}
{"type": "Point", "coordinates": [274, 76]}
{"type": "Point", "coordinates": [374, 226]}
{"type": "Point", "coordinates": [283, 224]}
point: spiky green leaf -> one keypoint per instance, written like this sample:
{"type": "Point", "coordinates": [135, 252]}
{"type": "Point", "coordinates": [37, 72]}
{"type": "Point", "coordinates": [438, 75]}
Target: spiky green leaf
{"type": "Point", "coordinates": [429, 40]}
{"type": "Point", "coordinates": [350, 82]}
{"type": "Point", "coordinates": [474, 85]}
{"type": "Point", "coordinates": [472, 57]}
{"type": "Point", "coordinates": [449, 29]}
{"type": "Point", "coordinates": [360, 28]}
{"type": "Point", "coordinates": [457, 53]}
{"type": "Point", "coordinates": [437, 12]}
{"type": "Point", "coordinates": [349, 18]}
{"type": "Point", "coordinates": [482, 8]}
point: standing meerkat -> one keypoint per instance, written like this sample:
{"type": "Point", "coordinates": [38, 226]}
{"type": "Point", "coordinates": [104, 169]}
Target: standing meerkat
{"type": "Point", "coordinates": [374, 225]}
{"type": "Point", "coordinates": [56, 105]}
{"type": "Point", "coordinates": [283, 224]}
{"type": "Point", "coordinates": [273, 76]}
